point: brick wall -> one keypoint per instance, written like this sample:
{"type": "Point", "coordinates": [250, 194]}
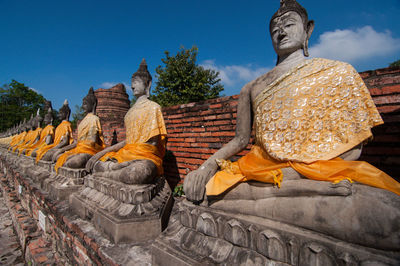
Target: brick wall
{"type": "Point", "coordinates": [197, 130]}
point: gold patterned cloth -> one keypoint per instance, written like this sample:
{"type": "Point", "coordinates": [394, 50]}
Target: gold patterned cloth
{"type": "Point", "coordinates": [305, 119]}
{"type": "Point", "coordinates": [89, 129]}
{"type": "Point", "coordinates": [48, 130]}
{"type": "Point", "coordinates": [142, 122]}
{"type": "Point", "coordinates": [34, 136]}
{"type": "Point", "coordinates": [62, 129]}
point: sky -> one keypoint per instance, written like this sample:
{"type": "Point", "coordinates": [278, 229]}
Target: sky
{"type": "Point", "coordinates": [62, 48]}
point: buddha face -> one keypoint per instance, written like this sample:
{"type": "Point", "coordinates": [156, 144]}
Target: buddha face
{"type": "Point", "coordinates": [87, 106]}
{"type": "Point", "coordinates": [288, 33]}
{"type": "Point", "coordinates": [138, 87]}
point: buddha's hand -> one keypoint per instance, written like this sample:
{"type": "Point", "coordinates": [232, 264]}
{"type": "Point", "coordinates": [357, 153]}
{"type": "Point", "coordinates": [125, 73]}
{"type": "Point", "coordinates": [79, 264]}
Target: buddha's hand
{"type": "Point", "coordinates": [195, 184]}
{"type": "Point", "coordinates": [91, 162]}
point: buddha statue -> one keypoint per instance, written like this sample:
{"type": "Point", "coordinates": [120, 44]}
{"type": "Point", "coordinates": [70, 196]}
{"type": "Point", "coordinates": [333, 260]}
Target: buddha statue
{"type": "Point", "coordinates": [62, 136]}
{"type": "Point", "coordinates": [311, 118]}
{"type": "Point", "coordinates": [126, 195]}
{"type": "Point", "coordinates": [90, 138]}
{"type": "Point", "coordinates": [35, 135]}
{"type": "Point", "coordinates": [46, 136]}
{"type": "Point", "coordinates": [26, 134]}
{"type": "Point", "coordinates": [138, 159]}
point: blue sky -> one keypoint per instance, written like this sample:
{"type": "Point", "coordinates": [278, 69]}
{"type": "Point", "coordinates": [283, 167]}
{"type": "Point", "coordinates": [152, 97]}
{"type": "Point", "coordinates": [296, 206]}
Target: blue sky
{"type": "Point", "coordinates": [61, 48]}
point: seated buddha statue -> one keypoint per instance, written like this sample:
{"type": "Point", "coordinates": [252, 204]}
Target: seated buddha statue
{"type": "Point", "coordinates": [20, 133]}
{"type": "Point", "coordinates": [46, 136]}
{"type": "Point", "coordinates": [90, 138]}
{"type": "Point", "coordinates": [138, 159]}
{"type": "Point", "coordinates": [311, 118]}
{"type": "Point", "coordinates": [26, 134]}
{"type": "Point", "coordinates": [35, 134]}
{"type": "Point", "coordinates": [62, 136]}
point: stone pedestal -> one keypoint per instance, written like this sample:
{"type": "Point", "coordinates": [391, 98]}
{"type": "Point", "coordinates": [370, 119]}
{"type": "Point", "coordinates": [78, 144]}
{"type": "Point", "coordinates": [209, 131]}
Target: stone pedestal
{"type": "Point", "coordinates": [200, 235]}
{"type": "Point", "coordinates": [62, 184]}
{"type": "Point", "coordinates": [125, 213]}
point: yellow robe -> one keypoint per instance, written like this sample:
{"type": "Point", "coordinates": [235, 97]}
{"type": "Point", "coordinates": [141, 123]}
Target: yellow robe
{"type": "Point", "coordinates": [142, 122]}
{"type": "Point", "coordinates": [61, 130]}
{"type": "Point", "coordinates": [48, 130]}
{"type": "Point", "coordinates": [35, 134]}
{"type": "Point", "coordinates": [88, 127]}
{"type": "Point", "coordinates": [306, 119]}
{"type": "Point", "coordinates": [30, 136]}
{"type": "Point", "coordinates": [18, 140]}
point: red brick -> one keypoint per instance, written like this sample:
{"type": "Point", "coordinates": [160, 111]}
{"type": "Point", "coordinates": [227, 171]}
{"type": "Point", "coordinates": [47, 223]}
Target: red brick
{"type": "Point", "coordinates": [375, 91]}
{"type": "Point", "coordinates": [223, 133]}
{"type": "Point", "coordinates": [387, 99]}
{"type": "Point", "coordinates": [388, 70]}
{"type": "Point", "coordinates": [391, 89]}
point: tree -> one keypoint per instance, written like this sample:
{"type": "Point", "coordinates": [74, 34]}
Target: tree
{"type": "Point", "coordinates": [17, 102]}
{"type": "Point", "coordinates": [395, 64]}
{"type": "Point", "coordinates": [181, 80]}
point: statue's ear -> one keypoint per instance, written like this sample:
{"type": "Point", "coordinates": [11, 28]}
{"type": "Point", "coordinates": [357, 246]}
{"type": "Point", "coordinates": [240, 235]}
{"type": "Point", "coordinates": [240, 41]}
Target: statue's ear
{"type": "Point", "coordinates": [148, 89]}
{"type": "Point", "coordinates": [310, 28]}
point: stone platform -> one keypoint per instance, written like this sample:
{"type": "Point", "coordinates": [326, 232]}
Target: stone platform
{"type": "Point", "coordinates": [62, 184]}
{"type": "Point", "coordinates": [200, 235]}
{"type": "Point", "coordinates": [126, 213]}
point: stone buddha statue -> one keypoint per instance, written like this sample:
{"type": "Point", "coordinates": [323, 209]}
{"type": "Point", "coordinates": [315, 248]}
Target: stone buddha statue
{"type": "Point", "coordinates": [62, 136]}
{"type": "Point", "coordinates": [138, 159]}
{"type": "Point", "coordinates": [35, 135]}
{"type": "Point", "coordinates": [90, 138]}
{"type": "Point", "coordinates": [311, 117]}
{"type": "Point", "coordinates": [46, 136]}
{"type": "Point", "coordinates": [28, 137]}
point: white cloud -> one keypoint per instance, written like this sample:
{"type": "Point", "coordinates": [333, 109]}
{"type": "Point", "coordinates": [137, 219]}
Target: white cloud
{"type": "Point", "coordinates": [354, 45]}
{"type": "Point", "coordinates": [234, 75]}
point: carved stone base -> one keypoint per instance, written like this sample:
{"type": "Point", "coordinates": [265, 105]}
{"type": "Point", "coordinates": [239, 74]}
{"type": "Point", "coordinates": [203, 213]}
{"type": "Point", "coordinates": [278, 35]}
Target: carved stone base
{"type": "Point", "coordinates": [125, 213]}
{"type": "Point", "coordinates": [64, 183]}
{"type": "Point", "coordinates": [200, 235]}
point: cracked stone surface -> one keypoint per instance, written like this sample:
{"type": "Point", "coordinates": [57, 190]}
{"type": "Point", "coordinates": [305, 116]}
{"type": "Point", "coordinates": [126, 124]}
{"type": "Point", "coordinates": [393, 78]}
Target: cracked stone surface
{"type": "Point", "coordinates": [10, 249]}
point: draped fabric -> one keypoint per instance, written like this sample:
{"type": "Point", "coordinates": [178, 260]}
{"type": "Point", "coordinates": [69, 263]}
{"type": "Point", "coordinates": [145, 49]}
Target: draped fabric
{"type": "Point", "coordinates": [34, 136]}
{"type": "Point", "coordinates": [258, 166]}
{"type": "Point", "coordinates": [18, 140]}
{"type": "Point", "coordinates": [61, 130]}
{"type": "Point", "coordinates": [29, 138]}
{"type": "Point", "coordinates": [89, 129]}
{"type": "Point", "coordinates": [142, 122]}
{"type": "Point", "coordinates": [48, 130]}
{"type": "Point", "coordinates": [305, 119]}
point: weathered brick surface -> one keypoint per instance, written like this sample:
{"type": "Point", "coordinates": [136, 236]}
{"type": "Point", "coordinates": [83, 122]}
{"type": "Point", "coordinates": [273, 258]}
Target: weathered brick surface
{"type": "Point", "coordinates": [197, 130]}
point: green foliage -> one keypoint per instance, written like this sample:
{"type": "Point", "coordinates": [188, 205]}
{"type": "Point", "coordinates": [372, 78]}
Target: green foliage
{"type": "Point", "coordinates": [181, 80]}
{"type": "Point", "coordinates": [17, 102]}
{"type": "Point", "coordinates": [395, 64]}
{"type": "Point", "coordinates": [77, 116]}
{"type": "Point", "coordinates": [178, 191]}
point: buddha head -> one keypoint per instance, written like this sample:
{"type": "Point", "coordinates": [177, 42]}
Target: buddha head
{"type": "Point", "coordinates": [48, 118]}
{"type": "Point", "coordinates": [290, 28]}
{"type": "Point", "coordinates": [89, 102]}
{"type": "Point", "coordinates": [64, 112]}
{"type": "Point", "coordinates": [141, 80]}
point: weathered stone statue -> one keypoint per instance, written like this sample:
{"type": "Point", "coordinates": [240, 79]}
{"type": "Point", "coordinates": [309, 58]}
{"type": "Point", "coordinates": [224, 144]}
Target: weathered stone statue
{"type": "Point", "coordinates": [62, 138]}
{"type": "Point", "coordinates": [90, 138]}
{"type": "Point", "coordinates": [311, 118]}
{"type": "Point", "coordinates": [28, 136]}
{"type": "Point", "coordinates": [46, 136]}
{"type": "Point", "coordinates": [138, 159]}
{"type": "Point", "coordinates": [126, 195]}
{"type": "Point", "coordinates": [35, 134]}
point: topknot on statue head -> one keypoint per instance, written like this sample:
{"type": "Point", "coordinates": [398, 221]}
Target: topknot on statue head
{"type": "Point", "coordinates": [143, 73]}
{"type": "Point", "coordinates": [291, 5]}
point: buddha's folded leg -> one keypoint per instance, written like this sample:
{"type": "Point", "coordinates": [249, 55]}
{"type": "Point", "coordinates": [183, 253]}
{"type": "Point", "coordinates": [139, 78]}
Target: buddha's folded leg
{"type": "Point", "coordinates": [77, 160]}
